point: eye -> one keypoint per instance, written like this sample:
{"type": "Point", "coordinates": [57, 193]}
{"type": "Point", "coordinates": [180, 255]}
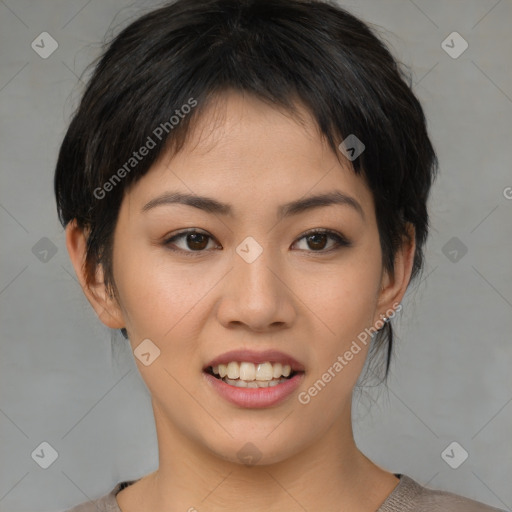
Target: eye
{"type": "Point", "coordinates": [317, 239]}
{"type": "Point", "coordinates": [193, 239]}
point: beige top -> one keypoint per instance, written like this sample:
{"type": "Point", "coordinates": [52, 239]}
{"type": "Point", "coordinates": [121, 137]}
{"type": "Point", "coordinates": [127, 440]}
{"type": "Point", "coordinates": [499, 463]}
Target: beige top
{"type": "Point", "coordinates": [407, 496]}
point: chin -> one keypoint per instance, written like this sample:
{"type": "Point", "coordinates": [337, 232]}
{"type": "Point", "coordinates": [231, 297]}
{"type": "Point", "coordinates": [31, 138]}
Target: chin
{"type": "Point", "coordinates": [255, 450]}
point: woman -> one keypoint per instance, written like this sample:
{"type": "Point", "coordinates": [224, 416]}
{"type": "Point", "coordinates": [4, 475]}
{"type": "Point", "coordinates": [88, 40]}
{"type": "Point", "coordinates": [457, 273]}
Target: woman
{"type": "Point", "coordinates": [244, 191]}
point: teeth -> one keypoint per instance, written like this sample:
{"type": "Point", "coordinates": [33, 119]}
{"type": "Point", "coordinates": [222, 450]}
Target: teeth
{"type": "Point", "coordinates": [254, 383]}
{"type": "Point", "coordinates": [264, 371]}
{"type": "Point", "coordinates": [249, 372]}
{"type": "Point", "coordinates": [277, 370]}
{"type": "Point", "coordinates": [233, 370]}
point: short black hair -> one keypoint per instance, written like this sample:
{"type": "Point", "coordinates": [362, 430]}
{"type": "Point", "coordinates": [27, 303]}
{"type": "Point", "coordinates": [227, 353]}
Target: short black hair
{"type": "Point", "coordinates": [284, 52]}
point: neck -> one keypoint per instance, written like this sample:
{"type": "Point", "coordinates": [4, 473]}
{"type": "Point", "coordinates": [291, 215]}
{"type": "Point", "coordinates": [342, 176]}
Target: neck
{"type": "Point", "coordinates": [329, 475]}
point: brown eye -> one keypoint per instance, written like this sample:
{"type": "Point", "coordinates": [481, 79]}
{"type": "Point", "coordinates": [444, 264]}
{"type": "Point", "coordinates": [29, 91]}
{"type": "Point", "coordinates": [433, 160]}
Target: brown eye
{"type": "Point", "coordinates": [196, 241]}
{"type": "Point", "coordinates": [191, 241]}
{"type": "Point", "coordinates": [317, 240]}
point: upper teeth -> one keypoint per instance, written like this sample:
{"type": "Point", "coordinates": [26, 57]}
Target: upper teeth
{"type": "Point", "coordinates": [251, 371]}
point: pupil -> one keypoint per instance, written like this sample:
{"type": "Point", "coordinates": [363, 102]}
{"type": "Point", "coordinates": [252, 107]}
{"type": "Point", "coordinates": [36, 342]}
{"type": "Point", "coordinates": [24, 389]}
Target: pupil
{"type": "Point", "coordinates": [312, 237]}
{"type": "Point", "coordinates": [192, 237]}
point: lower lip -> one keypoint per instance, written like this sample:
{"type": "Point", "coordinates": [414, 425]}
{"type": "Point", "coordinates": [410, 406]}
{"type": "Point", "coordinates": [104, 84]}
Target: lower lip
{"type": "Point", "coordinates": [255, 398]}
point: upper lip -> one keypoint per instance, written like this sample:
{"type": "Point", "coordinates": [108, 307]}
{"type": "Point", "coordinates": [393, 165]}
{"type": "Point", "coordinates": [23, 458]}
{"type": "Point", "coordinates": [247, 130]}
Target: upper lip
{"type": "Point", "coordinates": [252, 356]}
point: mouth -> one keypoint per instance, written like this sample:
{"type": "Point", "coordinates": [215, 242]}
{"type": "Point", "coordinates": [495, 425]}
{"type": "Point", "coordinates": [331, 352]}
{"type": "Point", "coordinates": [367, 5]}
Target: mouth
{"type": "Point", "coordinates": [251, 379]}
{"type": "Point", "coordinates": [249, 375]}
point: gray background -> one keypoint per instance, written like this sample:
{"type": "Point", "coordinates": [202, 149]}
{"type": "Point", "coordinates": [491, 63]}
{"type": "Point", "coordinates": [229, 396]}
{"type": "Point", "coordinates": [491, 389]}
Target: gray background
{"type": "Point", "coordinates": [63, 382]}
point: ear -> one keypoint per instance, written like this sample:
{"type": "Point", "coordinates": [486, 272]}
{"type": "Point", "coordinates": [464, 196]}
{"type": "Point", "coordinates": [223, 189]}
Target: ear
{"type": "Point", "coordinates": [393, 288]}
{"type": "Point", "coordinates": [104, 304]}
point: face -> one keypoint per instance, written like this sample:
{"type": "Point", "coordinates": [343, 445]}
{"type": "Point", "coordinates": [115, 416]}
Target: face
{"type": "Point", "coordinates": [251, 277]}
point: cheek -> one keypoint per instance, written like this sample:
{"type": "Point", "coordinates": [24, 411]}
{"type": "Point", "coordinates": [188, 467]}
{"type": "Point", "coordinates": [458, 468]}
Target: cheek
{"type": "Point", "coordinates": [158, 296]}
{"type": "Point", "coordinates": [344, 303]}
{"type": "Point", "coordinates": [348, 296]}
{"type": "Point", "coordinates": [162, 303]}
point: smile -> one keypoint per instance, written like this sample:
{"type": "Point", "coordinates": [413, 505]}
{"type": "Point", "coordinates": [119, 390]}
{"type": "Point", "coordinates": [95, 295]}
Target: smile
{"type": "Point", "coordinates": [254, 379]}
{"type": "Point", "coordinates": [251, 385]}
{"type": "Point", "coordinates": [250, 375]}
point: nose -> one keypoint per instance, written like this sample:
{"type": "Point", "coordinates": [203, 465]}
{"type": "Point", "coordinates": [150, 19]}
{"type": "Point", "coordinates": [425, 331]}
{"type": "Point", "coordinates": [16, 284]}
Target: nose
{"type": "Point", "coordinates": [257, 294]}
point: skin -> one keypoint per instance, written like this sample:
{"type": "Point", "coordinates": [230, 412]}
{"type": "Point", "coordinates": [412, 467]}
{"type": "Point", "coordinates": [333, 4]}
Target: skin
{"type": "Point", "coordinates": [297, 297]}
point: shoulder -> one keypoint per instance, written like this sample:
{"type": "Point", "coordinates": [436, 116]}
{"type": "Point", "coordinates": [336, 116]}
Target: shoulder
{"type": "Point", "coordinates": [410, 496]}
{"type": "Point", "coordinates": [107, 503]}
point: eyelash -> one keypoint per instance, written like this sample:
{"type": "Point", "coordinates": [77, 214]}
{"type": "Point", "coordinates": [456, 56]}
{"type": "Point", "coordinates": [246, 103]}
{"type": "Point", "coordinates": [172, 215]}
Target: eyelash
{"type": "Point", "coordinates": [340, 241]}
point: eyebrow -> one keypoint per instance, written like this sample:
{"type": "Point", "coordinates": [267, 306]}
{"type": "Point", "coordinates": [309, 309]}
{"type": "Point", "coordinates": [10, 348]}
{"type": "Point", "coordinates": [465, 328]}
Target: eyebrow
{"type": "Point", "coordinates": [286, 210]}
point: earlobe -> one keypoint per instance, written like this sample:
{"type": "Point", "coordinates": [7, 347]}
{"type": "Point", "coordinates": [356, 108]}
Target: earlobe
{"type": "Point", "coordinates": [103, 303]}
{"type": "Point", "coordinates": [394, 287]}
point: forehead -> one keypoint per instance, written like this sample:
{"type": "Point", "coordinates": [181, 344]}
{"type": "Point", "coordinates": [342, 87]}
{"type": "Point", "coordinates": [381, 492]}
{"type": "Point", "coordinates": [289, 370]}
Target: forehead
{"type": "Point", "coordinates": [241, 149]}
